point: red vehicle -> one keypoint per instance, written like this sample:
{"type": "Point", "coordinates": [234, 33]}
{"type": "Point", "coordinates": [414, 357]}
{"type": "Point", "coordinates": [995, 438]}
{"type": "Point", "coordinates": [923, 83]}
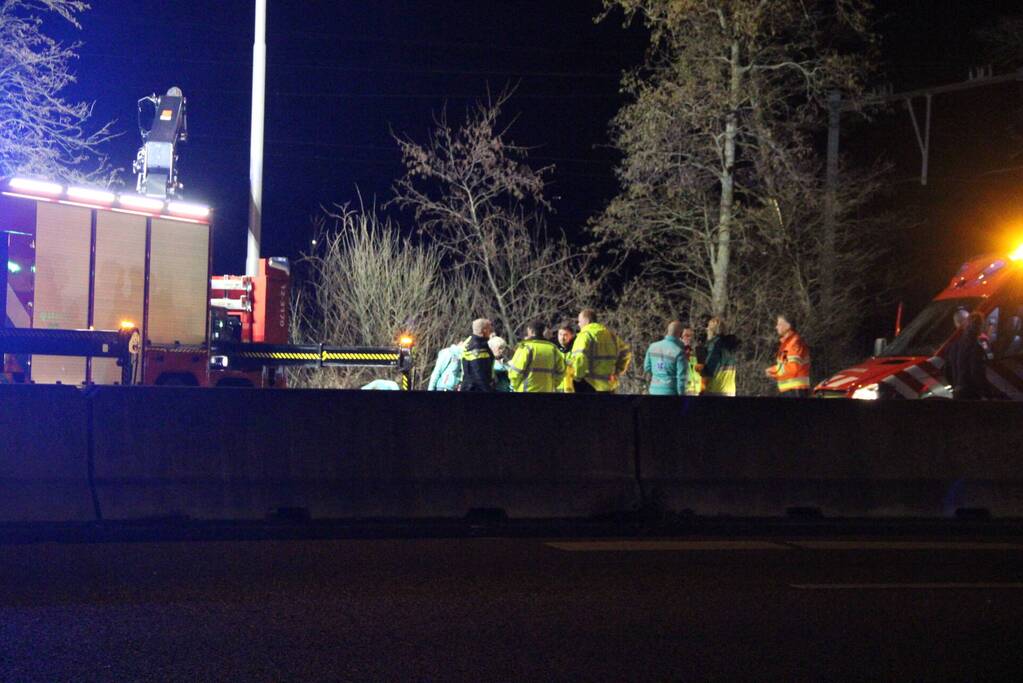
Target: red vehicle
{"type": "Point", "coordinates": [79, 264]}
{"type": "Point", "coordinates": [98, 287]}
{"type": "Point", "coordinates": [910, 366]}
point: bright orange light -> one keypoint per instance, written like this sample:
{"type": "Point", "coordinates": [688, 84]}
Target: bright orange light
{"type": "Point", "coordinates": [406, 341]}
{"type": "Point", "coordinates": [1018, 254]}
{"type": "Point", "coordinates": [127, 325]}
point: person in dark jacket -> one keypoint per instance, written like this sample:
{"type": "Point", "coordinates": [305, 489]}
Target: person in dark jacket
{"type": "Point", "coordinates": [563, 338]}
{"type": "Point", "coordinates": [477, 358]}
{"type": "Point", "coordinates": [722, 357]}
{"type": "Point", "coordinates": [964, 361]}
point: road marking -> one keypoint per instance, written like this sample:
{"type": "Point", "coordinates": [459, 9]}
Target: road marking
{"type": "Point", "coordinates": [904, 586]}
{"type": "Point", "coordinates": [903, 545]}
{"type": "Point", "coordinates": [676, 545]}
{"type": "Point", "coordinates": [647, 546]}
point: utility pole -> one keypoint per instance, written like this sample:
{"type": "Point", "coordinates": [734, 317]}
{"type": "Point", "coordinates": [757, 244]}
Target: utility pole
{"type": "Point", "coordinates": [256, 140]}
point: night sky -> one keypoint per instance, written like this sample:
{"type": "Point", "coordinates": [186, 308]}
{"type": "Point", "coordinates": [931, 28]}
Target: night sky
{"type": "Point", "coordinates": [343, 75]}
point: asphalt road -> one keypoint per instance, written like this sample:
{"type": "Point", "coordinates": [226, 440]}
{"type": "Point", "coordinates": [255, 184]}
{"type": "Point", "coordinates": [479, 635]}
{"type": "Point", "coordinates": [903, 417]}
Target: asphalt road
{"type": "Point", "coordinates": [490, 609]}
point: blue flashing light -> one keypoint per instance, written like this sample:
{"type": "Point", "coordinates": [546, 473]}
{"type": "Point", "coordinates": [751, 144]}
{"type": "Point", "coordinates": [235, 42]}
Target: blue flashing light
{"type": "Point", "coordinates": [13, 267]}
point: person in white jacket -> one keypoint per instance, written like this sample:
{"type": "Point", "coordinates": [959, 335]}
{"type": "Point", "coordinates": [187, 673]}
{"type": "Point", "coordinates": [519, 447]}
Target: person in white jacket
{"type": "Point", "coordinates": [447, 372]}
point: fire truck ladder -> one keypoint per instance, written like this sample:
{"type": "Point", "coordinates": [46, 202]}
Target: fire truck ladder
{"type": "Point", "coordinates": [125, 345]}
{"type": "Point", "coordinates": [245, 356]}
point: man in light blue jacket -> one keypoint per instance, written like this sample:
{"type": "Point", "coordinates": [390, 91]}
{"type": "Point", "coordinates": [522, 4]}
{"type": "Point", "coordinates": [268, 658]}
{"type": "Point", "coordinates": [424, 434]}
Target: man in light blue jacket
{"type": "Point", "coordinates": [665, 364]}
{"type": "Point", "coordinates": [447, 373]}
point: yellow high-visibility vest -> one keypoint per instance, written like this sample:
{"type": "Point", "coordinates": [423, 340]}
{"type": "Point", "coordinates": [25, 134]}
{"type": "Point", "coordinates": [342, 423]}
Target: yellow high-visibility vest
{"type": "Point", "coordinates": [599, 357]}
{"type": "Point", "coordinates": [537, 367]}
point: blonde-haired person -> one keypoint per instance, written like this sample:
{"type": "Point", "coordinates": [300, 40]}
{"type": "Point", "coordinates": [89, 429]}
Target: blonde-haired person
{"type": "Point", "coordinates": [499, 347]}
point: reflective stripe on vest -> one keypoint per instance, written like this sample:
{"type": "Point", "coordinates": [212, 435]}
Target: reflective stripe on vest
{"type": "Point", "coordinates": [794, 383]}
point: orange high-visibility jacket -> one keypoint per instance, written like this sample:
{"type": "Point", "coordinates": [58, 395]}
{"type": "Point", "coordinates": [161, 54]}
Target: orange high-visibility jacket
{"type": "Point", "coordinates": [793, 363]}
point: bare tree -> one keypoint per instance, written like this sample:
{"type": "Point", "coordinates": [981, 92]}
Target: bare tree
{"type": "Point", "coordinates": [482, 248]}
{"type": "Point", "coordinates": [474, 196]}
{"type": "Point", "coordinates": [41, 133]}
{"type": "Point", "coordinates": [367, 285]}
{"type": "Point", "coordinates": [721, 197]}
{"type": "Point", "coordinates": [1004, 40]}
{"type": "Point", "coordinates": [1003, 45]}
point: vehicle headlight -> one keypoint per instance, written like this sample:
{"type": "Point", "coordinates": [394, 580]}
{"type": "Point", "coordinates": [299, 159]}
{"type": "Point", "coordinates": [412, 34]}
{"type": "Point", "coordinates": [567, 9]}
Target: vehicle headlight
{"type": "Point", "coordinates": [867, 393]}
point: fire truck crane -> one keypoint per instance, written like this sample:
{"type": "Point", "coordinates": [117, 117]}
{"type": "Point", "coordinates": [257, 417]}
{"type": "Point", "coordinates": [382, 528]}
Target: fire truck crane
{"type": "Point", "coordinates": [116, 288]}
{"type": "Point", "coordinates": [156, 161]}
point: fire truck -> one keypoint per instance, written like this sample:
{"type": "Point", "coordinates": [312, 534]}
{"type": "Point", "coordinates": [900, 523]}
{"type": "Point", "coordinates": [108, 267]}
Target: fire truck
{"type": "Point", "coordinates": [106, 288]}
{"type": "Point", "coordinates": [911, 365]}
{"type": "Point", "coordinates": [102, 287]}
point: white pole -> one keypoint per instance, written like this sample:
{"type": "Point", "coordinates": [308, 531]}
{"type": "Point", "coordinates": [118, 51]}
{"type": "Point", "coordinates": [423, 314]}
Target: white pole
{"type": "Point", "coordinates": [256, 140]}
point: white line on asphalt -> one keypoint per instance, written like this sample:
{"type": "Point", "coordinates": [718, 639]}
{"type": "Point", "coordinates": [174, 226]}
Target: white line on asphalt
{"type": "Point", "coordinates": [644, 546]}
{"type": "Point", "coordinates": [904, 586]}
{"type": "Point", "coordinates": [903, 545]}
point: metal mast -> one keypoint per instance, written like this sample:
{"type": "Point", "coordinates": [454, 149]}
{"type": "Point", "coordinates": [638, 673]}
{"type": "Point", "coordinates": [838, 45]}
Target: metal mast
{"type": "Point", "coordinates": [256, 140]}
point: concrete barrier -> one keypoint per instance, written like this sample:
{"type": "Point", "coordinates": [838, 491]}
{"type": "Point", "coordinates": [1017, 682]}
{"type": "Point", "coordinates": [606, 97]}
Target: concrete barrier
{"type": "Point", "coordinates": [239, 453]}
{"type": "Point", "coordinates": [761, 457]}
{"type": "Point", "coordinates": [44, 459]}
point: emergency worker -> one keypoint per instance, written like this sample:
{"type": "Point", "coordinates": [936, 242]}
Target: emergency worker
{"type": "Point", "coordinates": [599, 356]}
{"type": "Point", "coordinates": [538, 366]}
{"type": "Point", "coordinates": [447, 371]}
{"type": "Point", "coordinates": [694, 382]}
{"type": "Point", "coordinates": [565, 335]}
{"type": "Point", "coordinates": [665, 365]}
{"type": "Point", "coordinates": [964, 361]}
{"type": "Point", "coordinates": [960, 317]}
{"type": "Point", "coordinates": [719, 368]}
{"type": "Point", "coordinates": [477, 358]}
{"type": "Point", "coordinates": [791, 370]}
{"type": "Point", "coordinates": [1012, 340]}
{"type": "Point", "coordinates": [382, 385]}
{"type": "Point", "coordinates": [499, 347]}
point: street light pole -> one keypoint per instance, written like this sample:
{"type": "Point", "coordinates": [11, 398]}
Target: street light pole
{"type": "Point", "coordinates": [256, 140]}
